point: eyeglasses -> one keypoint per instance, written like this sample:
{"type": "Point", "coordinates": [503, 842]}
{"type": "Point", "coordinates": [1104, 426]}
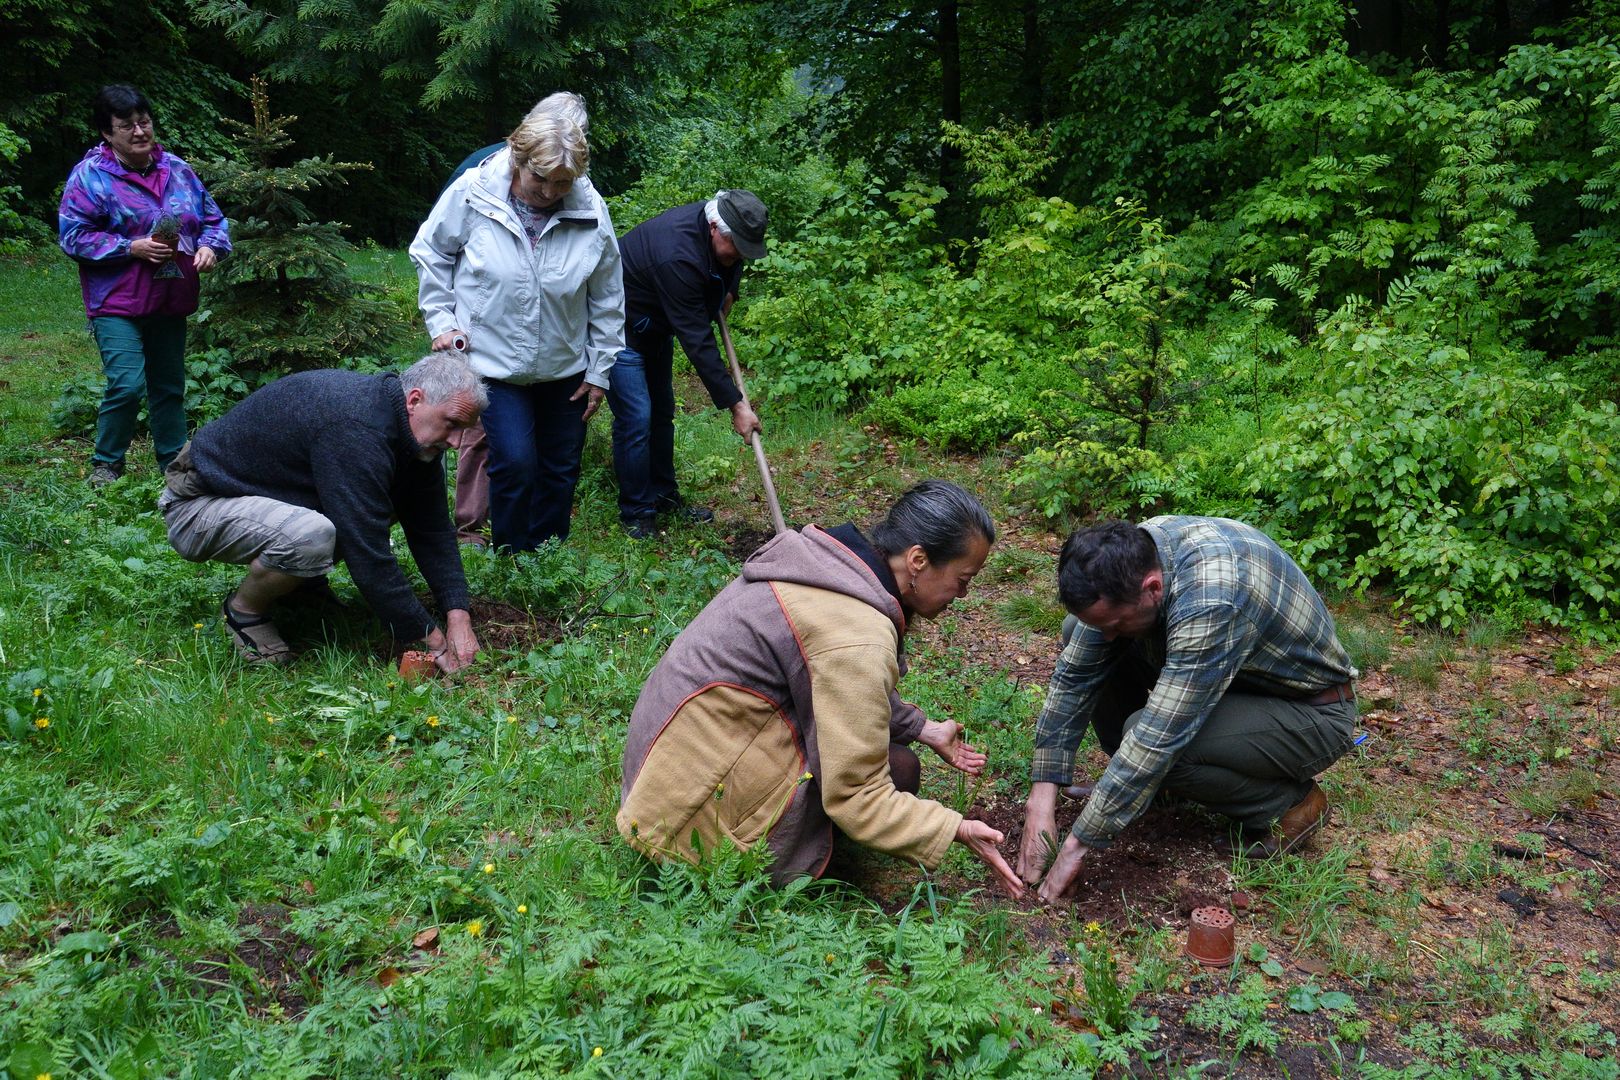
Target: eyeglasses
{"type": "Point", "coordinates": [127, 128]}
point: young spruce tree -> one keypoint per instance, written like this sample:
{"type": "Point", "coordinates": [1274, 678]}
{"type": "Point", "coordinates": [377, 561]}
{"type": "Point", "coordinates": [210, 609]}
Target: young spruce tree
{"type": "Point", "coordinates": [285, 300]}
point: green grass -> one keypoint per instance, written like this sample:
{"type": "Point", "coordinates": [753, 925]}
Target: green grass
{"type": "Point", "coordinates": [212, 870]}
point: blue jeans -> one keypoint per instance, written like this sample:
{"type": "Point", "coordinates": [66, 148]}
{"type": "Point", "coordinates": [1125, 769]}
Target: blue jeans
{"type": "Point", "coordinates": [536, 436]}
{"type": "Point", "coordinates": [642, 397]}
{"type": "Point", "coordinates": [144, 356]}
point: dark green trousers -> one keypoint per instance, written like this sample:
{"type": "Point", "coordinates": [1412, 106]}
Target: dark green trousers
{"type": "Point", "coordinates": [1254, 757]}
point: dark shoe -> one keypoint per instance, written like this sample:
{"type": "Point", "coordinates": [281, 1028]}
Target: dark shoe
{"type": "Point", "coordinates": [1298, 824]}
{"type": "Point", "coordinates": [102, 475]}
{"type": "Point", "coordinates": [641, 528]}
{"type": "Point", "coordinates": [1079, 792]}
{"type": "Point", "coordinates": [317, 592]}
{"type": "Point", "coordinates": [680, 510]}
{"type": "Point", "coordinates": [256, 638]}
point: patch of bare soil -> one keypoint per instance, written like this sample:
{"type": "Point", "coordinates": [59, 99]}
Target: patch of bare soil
{"type": "Point", "coordinates": [270, 967]}
{"type": "Point", "coordinates": [505, 626]}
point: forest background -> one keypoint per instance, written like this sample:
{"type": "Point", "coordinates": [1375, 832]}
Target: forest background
{"type": "Point", "coordinates": [1349, 274]}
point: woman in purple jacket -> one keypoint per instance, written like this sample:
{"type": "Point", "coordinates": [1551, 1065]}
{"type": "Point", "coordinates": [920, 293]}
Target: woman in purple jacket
{"type": "Point", "coordinates": [141, 226]}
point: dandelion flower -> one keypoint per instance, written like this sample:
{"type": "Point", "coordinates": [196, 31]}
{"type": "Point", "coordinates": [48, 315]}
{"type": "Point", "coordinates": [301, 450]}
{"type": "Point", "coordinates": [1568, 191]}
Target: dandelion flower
{"type": "Point", "coordinates": [523, 909]}
{"type": "Point", "coordinates": [597, 1052]}
{"type": "Point", "coordinates": [831, 959]}
{"type": "Point", "coordinates": [196, 626]}
{"type": "Point", "coordinates": [42, 722]}
{"type": "Point", "coordinates": [38, 691]}
{"type": "Point", "coordinates": [433, 721]}
{"type": "Point", "coordinates": [489, 868]}
{"type": "Point", "coordinates": [511, 719]}
{"type": "Point", "coordinates": [475, 928]}
{"type": "Point", "coordinates": [42, 1076]}
{"type": "Point", "coordinates": [1093, 927]}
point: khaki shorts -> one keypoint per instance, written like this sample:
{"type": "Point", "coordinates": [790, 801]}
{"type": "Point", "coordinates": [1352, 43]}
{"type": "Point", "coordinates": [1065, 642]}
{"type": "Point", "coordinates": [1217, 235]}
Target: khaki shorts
{"type": "Point", "coordinates": [286, 538]}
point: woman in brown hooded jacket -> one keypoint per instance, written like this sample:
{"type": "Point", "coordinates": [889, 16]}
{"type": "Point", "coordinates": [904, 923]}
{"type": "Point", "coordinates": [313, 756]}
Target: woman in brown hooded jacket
{"type": "Point", "coordinates": [774, 716]}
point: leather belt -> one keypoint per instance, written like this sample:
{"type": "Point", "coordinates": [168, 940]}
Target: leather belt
{"type": "Point", "coordinates": [1333, 695]}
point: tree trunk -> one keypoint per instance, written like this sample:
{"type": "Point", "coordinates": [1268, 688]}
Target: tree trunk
{"type": "Point", "coordinates": [1034, 90]}
{"type": "Point", "coordinates": [950, 87]}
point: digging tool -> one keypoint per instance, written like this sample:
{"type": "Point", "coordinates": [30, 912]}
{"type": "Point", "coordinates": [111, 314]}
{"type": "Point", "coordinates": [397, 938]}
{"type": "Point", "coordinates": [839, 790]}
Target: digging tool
{"type": "Point", "coordinates": [759, 445]}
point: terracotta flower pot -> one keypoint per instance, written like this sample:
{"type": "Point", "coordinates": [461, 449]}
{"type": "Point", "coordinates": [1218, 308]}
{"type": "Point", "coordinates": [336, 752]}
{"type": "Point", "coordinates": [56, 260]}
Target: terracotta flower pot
{"type": "Point", "coordinates": [416, 665]}
{"type": "Point", "coordinates": [1210, 936]}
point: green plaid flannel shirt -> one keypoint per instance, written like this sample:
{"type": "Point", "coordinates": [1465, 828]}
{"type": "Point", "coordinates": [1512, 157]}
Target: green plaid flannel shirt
{"type": "Point", "coordinates": [1235, 607]}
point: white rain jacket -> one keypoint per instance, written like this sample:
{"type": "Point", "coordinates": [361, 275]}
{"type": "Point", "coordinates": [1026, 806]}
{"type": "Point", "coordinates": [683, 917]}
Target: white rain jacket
{"type": "Point", "coordinates": [529, 316]}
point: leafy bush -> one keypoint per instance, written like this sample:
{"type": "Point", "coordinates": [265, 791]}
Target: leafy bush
{"type": "Point", "coordinates": [1469, 487]}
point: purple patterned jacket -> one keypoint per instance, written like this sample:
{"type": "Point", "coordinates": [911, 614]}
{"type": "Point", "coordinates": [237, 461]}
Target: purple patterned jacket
{"type": "Point", "coordinates": [106, 206]}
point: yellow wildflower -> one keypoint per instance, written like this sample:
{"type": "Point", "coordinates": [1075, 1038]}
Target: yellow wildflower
{"type": "Point", "coordinates": [42, 722]}
{"type": "Point", "coordinates": [42, 1076]}
{"type": "Point", "coordinates": [489, 868]}
{"type": "Point", "coordinates": [475, 928]}
{"type": "Point", "coordinates": [391, 739]}
{"type": "Point", "coordinates": [511, 719]}
{"type": "Point", "coordinates": [38, 691]}
{"type": "Point", "coordinates": [196, 626]}
{"type": "Point", "coordinates": [269, 719]}
{"type": "Point", "coordinates": [1093, 927]}
{"type": "Point", "coordinates": [433, 721]}
{"type": "Point", "coordinates": [597, 1052]}
{"type": "Point", "coordinates": [523, 909]}
{"type": "Point", "coordinates": [831, 959]}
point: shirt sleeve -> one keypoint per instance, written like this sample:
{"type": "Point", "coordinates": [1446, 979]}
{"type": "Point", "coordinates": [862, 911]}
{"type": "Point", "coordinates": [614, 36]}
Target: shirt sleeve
{"type": "Point", "coordinates": [905, 720]}
{"type": "Point", "coordinates": [353, 482]}
{"type": "Point", "coordinates": [419, 499]}
{"type": "Point", "coordinates": [851, 685]}
{"type": "Point", "coordinates": [1202, 655]}
{"type": "Point", "coordinates": [605, 300]}
{"type": "Point", "coordinates": [81, 224]}
{"type": "Point", "coordinates": [680, 287]}
{"type": "Point", "coordinates": [1070, 696]}
{"type": "Point", "coordinates": [434, 251]}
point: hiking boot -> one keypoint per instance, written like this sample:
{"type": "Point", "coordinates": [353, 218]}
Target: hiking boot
{"type": "Point", "coordinates": [104, 474]}
{"type": "Point", "coordinates": [641, 528]}
{"type": "Point", "coordinates": [1298, 824]}
{"type": "Point", "coordinates": [255, 637]}
{"type": "Point", "coordinates": [680, 510]}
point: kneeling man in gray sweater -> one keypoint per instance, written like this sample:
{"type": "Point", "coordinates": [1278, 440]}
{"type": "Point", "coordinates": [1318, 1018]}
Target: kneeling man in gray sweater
{"type": "Point", "coordinates": [316, 467]}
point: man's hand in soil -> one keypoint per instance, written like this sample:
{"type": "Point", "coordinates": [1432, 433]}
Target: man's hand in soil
{"type": "Point", "coordinates": [455, 647]}
{"type": "Point", "coordinates": [1065, 870]}
{"type": "Point", "coordinates": [945, 739]}
{"type": "Point", "coordinates": [1040, 832]}
{"type": "Point", "coordinates": [981, 839]}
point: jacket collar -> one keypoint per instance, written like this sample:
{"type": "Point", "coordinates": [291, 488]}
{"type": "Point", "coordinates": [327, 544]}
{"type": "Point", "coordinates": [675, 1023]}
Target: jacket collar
{"type": "Point", "coordinates": [495, 180]}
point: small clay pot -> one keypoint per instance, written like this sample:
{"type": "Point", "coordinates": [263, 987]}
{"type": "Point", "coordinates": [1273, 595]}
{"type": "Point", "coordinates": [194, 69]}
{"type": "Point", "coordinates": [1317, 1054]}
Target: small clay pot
{"type": "Point", "coordinates": [1210, 936]}
{"type": "Point", "coordinates": [416, 665]}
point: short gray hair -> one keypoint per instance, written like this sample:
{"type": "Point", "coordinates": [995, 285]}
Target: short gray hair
{"type": "Point", "coordinates": [711, 210]}
{"type": "Point", "coordinates": [566, 104]}
{"type": "Point", "coordinates": [937, 516]}
{"type": "Point", "coordinates": [443, 375]}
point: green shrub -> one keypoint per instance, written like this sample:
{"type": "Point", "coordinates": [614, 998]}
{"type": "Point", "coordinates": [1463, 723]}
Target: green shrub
{"type": "Point", "coordinates": [1468, 486]}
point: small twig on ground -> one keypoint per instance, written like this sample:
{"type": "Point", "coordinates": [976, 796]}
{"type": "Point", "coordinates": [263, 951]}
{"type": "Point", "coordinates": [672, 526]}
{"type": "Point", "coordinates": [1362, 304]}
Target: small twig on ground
{"type": "Point", "coordinates": [1560, 838]}
{"type": "Point", "coordinates": [1513, 851]}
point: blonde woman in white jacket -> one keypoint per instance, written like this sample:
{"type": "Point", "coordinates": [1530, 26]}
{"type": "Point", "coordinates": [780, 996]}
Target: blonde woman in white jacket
{"type": "Point", "coordinates": [521, 268]}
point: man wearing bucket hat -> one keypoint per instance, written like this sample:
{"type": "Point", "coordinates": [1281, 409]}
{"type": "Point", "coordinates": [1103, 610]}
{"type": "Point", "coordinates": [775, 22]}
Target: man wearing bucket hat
{"type": "Point", "coordinates": [1208, 666]}
{"type": "Point", "coordinates": [681, 271]}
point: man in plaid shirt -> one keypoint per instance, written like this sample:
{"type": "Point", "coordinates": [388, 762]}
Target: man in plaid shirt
{"type": "Point", "coordinates": [1208, 665]}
